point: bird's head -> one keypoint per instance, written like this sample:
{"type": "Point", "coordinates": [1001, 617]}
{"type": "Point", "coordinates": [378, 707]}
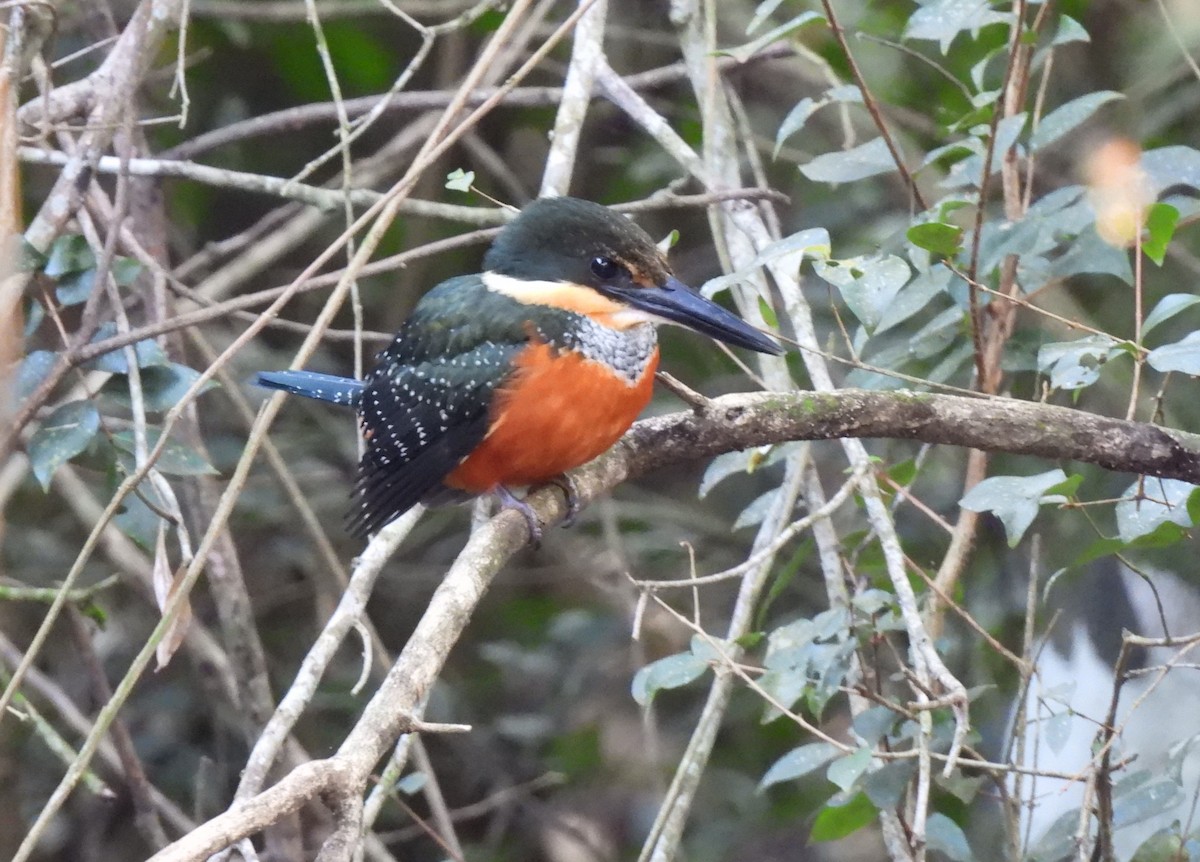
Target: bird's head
{"type": "Point", "coordinates": [584, 257]}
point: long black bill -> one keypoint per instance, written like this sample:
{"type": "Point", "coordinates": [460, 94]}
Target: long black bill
{"type": "Point", "coordinates": [678, 303]}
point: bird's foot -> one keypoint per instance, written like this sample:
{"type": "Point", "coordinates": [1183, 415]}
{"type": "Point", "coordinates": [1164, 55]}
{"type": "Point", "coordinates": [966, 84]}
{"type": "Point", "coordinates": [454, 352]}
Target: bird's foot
{"type": "Point", "coordinates": [509, 501]}
{"type": "Point", "coordinates": [571, 492]}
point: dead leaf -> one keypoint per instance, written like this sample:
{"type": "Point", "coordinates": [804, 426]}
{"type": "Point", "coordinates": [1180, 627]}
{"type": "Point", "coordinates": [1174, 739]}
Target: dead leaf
{"type": "Point", "coordinates": [166, 585]}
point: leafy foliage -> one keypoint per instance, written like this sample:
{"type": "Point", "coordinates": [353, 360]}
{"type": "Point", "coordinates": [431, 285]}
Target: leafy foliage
{"type": "Point", "coordinates": [953, 230]}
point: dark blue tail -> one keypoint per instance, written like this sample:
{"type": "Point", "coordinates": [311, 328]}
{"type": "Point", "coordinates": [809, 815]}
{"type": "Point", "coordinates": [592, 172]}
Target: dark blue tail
{"type": "Point", "coordinates": [310, 384]}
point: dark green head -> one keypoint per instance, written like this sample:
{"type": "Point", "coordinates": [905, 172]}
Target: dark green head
{"type": "Point", "coordinates": [573, 241]}
{"type": "Point", "coordinates": [559, 239]}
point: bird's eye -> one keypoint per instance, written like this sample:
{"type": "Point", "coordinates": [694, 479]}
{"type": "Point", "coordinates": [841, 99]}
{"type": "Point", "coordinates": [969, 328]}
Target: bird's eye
{"type": "Point", "coordinates": [605, 268]}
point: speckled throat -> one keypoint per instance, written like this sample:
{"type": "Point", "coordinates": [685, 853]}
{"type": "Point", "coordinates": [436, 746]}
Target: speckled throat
{"type": "Point", "coordinates": [626, 351]}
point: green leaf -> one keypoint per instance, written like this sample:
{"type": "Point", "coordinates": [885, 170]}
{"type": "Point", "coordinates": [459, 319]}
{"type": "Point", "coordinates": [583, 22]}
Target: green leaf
{"type": "Point", "coordinates": [74, 288]}
{"type": "Point", "coordinates": [1076, 364]}
{"type": "Point", "coordinates": [1167, 307]}
{"type": "Point", "coordinates": [125, 271]}
{"type": "Point", "coordinates": [162, 386]}
{"type": "Point", "coordinates": [1058, 839]}
{"type": "Point", "coordinates": [870, 602]}
{"type": "Point", "coordinates": [1089, 253]}
{"type": "Point", "coordinates": [834, 823]}
{"type": "Point", "coordinates": [576, 753]}
{"type": "Point", "coordinates": [1166, 501]}
{"type": "Point", "coordinates": [147, 351]}
{"type": "Point", "coordinates": [757, 510]}
{"type": "Point", "coordinates": [938, 334]}
{"type": "Point", "coordinates": [866, 160]}
{"type": "Point", "coordinates": [962, 787]}
{"type": "Point", "coordinates": [742, 53]}
{"type": "Point", "coordinates": [149, 354]}
{"type": "Point", "coordinates": [1160, 227]}
{"type": "Point", "coordinates": [914, 296]}
{"type": "Point", "coordinates": [937, 237]}
{"type": "Point", "coordinates": [177, 459]}
{"type": "Point", "coordinates": [1162, 536]}
{"type": "Point", "coordinates": [832, 663]}
{"type": "Point", "coordinates": [29, 259]}
{"type": "Point", "coordinates": [795, 121]}
{"type": "Point", "coordinates": [867, 284]}
{"type": "Point", "coordinates": [1166, 167]}
{"type": "Point", "coordinates": [137, 520]}
{"type": "Point", "coordinates": [363, 56]}
{"type": "Point", "coordinates": [709, 649]}
{"type": "Point", "coordinates": [885, 786]}
{"type": "Point", "coordinates": [1165, 845]}
{"type": "Point", "coordinates": [808, 658]}
{"type": "Point", "coordinates": [762, 13]}
{"type": "Point", "coordinates": [798, 762]}
{"type": "Point", "coordinates": [1070, 30]}
{"type": "Point", "coordinates": [942, 20]}
{"type": "Point", "coordinates": [721, 468]}
{"type": "Point", "coordinates": [785, 643]}
{"type": "Point", "coordinates": [770, 318]}
{"type": "Point", "coordinates": [1182, 356]}
{"type": "Point", "coordinates": [673, 671]}
{"type": "Point", "coordinates": [946, 836]}
{"type": "Point", "coordinates": [65, 433]}
{"type": "Point", "coordinates": [1193, 506]}
{"type": "Point", "coordinates": [957, 359]}
{"type": "Point", "coordinates": [1057, 730]}
{"type": "Point", "coordinates": [70, 253]}
{"type": "Point", "coordinates": [489, 22]}
{"type": "Point", "coordinates": [33, 319]}
{"type": "Point", "coordinates": [955, 151]}
{"type": "Point", "coordinates": [359, 53]}
{"type": "Point", "coordinates": [412, 783]}
{"type": "Point", "coordinates": [459, 180]}
{"type": "Point", "coordinates": [35, 368]}
{"type": "Point", "coordinates": [1144, 801]}
{"type": "Point", "coordinates": [874, 724]}
{"type": "Point", "coordinates": [846, 770]}
{"type": "Point", "coordinates": [784, 574]}
{"type": "Point", "coordinates": [1013, 499]}
{"type": "Point", "coordinates": [1066, 117]}
{"type": "Point", "coordinates": [969, 172]}
{"type": "Point", "coordinates": [788, 252]}
{"type": "Point", "coordinates": [904, 472]}
{"type": "Point", "coordinates": [750, 640]}
{"type": "Point", "coordinates": [785, 687]}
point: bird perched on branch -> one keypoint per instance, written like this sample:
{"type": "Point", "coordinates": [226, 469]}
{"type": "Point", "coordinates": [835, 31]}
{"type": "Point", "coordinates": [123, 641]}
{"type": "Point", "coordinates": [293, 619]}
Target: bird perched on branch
{"type": "Point", "coordinates": [517, 374]}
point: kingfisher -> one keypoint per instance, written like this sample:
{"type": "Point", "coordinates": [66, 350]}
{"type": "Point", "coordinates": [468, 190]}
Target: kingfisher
{"type": "Point", "coordinates": [515, 375]}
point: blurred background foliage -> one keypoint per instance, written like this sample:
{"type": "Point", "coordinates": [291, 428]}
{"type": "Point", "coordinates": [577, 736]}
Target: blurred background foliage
{"type": "Point", "coordinates": [544, 674]}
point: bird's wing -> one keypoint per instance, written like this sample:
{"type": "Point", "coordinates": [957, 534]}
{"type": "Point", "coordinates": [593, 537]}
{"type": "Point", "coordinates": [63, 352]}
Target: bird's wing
{"type": "Point", "coordinates": [425, 405]}
{"type": "Point", "coordinates": [421, 421]}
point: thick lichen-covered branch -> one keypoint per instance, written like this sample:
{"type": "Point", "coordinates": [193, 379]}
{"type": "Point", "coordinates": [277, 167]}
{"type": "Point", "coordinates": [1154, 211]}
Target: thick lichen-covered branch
{"type": "Point", "coordinates": [992, 424]}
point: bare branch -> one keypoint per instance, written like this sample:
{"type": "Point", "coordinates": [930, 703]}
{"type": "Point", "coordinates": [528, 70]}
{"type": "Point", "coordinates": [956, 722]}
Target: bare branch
{"type": "Point", "coordinates": [732, 422]}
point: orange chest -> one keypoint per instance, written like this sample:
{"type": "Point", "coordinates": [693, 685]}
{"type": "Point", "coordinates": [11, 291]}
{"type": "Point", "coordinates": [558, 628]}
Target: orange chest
{"type": "Point", "coordinates": [559, 410]}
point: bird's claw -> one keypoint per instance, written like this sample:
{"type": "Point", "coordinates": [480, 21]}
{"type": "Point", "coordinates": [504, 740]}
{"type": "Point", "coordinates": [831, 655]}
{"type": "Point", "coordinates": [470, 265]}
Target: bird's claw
{"type": "Point", "coordinates": [509, 501]}
{"type": "Point", "coordinates": [571, 492]}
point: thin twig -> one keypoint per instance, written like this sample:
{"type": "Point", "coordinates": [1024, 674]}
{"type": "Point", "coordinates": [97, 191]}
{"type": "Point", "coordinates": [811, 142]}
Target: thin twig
{"type": "Point", "coordinates": [872, 106]}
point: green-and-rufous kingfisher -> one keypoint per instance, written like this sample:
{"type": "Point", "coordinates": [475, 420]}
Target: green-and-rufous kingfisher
{"type": "Point", "coordinates": [515, 375]}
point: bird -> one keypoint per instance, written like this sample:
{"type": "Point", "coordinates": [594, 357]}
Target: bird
{"type": "Point", "coordinates": [513, 376]}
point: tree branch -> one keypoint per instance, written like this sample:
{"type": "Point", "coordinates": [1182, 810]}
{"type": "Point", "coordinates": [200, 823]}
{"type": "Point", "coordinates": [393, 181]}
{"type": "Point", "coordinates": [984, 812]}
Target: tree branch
{"type": "Point", "coordinates": [301, 116]}
{"type": "Point", "coordinates": [730, 422]}
{"type": "Point", "coordinates": [993, 424]}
